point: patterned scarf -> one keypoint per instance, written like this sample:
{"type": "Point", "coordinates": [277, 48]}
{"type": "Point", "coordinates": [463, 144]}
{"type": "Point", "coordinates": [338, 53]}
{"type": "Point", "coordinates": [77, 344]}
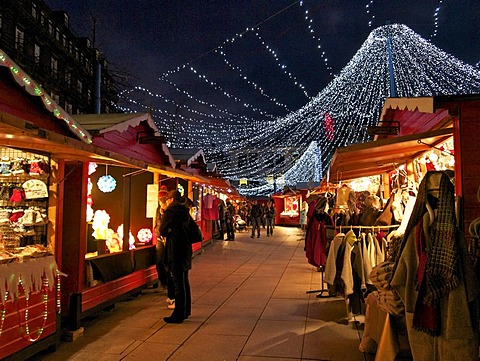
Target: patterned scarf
{"type": "Point", "coordinates": [442, 267]}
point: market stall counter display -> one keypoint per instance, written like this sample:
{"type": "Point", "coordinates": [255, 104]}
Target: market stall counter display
{"type": "Point", "coordinates": [29, 278]}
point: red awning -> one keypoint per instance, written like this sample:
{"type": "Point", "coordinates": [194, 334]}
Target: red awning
{"type": "Point", "coordinates": [384, 155]}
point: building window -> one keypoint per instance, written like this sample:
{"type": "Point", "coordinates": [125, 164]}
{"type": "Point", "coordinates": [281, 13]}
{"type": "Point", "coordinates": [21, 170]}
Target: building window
{"type": "Point", "coordinates": [54, 67]}
{"type": "Point", "coordinates": [68, 77]}
{"type": "Point", "coordinates": [42, 18]}
{"type": "Point", "coordinates": [50, 27]}
{"type": "Point", "coordinates": [66, 20]}
{"type": "Point", "coordinates": [34, 11]}
{"type": "Point", "coordinates": [64, 40]}
{"type": "Point", "coordinates": [1, 21]}
{"type": "Point", "coordinates": [19, 39]}
{"type": "Point", "coordinates": [57, 34]}
{"type": "Point", "coordinates": [55, 97]}
{"type": "Point", "coordinates": [79, 86]}
{"type": "Point", "coordinates": [68, 108]}
{"type": "Point", "coordinates": [37, 53]}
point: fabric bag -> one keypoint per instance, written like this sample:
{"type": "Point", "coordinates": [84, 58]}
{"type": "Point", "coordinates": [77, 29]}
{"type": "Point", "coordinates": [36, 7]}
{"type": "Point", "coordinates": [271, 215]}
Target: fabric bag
{"type": "Point", "coordinates": [194, 232]}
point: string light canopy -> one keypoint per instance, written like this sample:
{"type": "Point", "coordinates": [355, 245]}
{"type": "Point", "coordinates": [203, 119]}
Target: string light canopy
{"type": "Point", "coordinates": [337, 116]}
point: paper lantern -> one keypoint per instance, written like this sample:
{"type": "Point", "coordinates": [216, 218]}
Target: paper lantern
{"type": "Point", "coordinates": [106, 183]}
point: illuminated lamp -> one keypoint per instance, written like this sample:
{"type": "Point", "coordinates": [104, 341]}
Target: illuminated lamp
{"type": "Point", "coordinates": [106, 183]}
{"type": "Point", "coordinates": [144, 235]}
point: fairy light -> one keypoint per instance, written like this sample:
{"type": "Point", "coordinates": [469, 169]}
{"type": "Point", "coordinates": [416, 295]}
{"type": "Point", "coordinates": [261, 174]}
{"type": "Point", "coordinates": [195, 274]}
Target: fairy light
{"type": "Point", "coordinates": [309, 21]}
{"type": "Point", "coordinates": [353, 100]}
{"type": "Point", "coordinates": [240, 73]}
{"type": "Point", "coordinates": [40, 330]}
{"type": "Point", "coordinates": [369, 14]}
{"type": "Point", "coordinates": [363, 86]}
{"type": "Point", "coordinates": [435, 19]}
{"type": "Point", "coordinates": [230, 96]}
{"type": "Point", "coordinates": [59, 293]}
{"type": "Point", "coordinates": [34, 89]}
{"type": "Point", "coordinates": [4, 312]}
{"type": "Point", "coordinates": [282, 66]}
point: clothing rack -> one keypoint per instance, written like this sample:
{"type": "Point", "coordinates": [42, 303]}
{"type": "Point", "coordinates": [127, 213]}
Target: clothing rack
{"type": "Point", "coordinates": [380, 228]}
{"type": "Point", "coordinates": [322, 268]}
{"type": "Point", "coordinates": [323, 290]}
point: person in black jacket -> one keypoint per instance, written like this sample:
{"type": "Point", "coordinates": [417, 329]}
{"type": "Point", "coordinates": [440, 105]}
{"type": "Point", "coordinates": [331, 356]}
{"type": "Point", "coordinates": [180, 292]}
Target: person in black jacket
{"type": "Point", "coordinates": [228, 214]}
{"type": "Point", "coordinates": [164, 275]}
{"type": "Point", "coordinates": [256, 213]}
{"type": "Point", "coordinates": [178, 254]}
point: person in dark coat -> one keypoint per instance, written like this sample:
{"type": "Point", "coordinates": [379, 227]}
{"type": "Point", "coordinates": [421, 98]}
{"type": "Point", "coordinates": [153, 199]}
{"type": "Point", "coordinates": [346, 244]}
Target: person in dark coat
{"type": "Point", "coordinates": [270, 217]}
{"type": "Point", "coordinates": [164, 275]}
{"type": "Point", "coordinates": [256, 213]}
{"type": "Point", "coordinates": [228, 214]}
{"type": "Point", "coordinates": [178, 254]}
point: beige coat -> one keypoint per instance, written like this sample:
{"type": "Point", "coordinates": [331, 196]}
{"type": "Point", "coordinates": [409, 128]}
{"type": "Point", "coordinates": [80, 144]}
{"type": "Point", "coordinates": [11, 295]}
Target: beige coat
{"type": "Point", "coordinates": [459, 334]}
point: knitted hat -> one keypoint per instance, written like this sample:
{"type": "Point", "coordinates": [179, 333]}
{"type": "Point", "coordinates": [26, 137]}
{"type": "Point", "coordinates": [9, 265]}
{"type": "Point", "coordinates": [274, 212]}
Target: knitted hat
{"type": "Point", "coordinates": [163, 192]}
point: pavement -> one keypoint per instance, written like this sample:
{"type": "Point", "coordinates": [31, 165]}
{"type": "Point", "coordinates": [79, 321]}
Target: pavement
{"type": "Point", "coordinates": [250, 302]}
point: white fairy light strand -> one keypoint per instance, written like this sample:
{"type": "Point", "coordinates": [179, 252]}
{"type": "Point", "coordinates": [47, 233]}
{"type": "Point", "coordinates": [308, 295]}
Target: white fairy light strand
{"type": "Point", "coordinates": [257, 87]}
{"type": "Point", "coordinates": [230, 96]}
{"type": "Point", "coordinates": [309, 21]}
{"type": "Point", "coordinates": [435, 19]}
{"type": "Point", "coordinates": [353, 100]}
{"type": "Point", "coordinates": [282, 67]}
{"type": "Point", "coordinates": [356, 96]}
{"type": "Point", "coordinates": [369, 13]}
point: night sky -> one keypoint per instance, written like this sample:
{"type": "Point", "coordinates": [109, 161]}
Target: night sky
{"type": "Point", "coordinates": [142, 39]}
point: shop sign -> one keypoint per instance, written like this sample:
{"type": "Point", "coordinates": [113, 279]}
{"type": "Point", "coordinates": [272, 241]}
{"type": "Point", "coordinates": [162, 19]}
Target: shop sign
{"type": "Point", "coordinates": [152, 200]}
{"type": "Point", "coordinates": [390, 128]}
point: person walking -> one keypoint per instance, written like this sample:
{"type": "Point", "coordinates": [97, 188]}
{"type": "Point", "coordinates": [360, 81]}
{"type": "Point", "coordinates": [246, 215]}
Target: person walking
{"type": "Point", "coordinates": [270, 217]}
{"type": "Point", "coordinates": [303, 216]}
{"type": "Point", "coordinates": [228, 214]}
{"type": "Point", "coordinates": [164, 275]}
{"type": "Point", "coordinates": [263, 207]}
{"type": "Point", "coordinates": [255, 214]}
{"type": "Point", "coordinates": [178, 254]}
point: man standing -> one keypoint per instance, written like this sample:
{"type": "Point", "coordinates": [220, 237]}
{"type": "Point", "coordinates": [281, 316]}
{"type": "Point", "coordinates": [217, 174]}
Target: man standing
{"type": "Point", "coordinates": [178, 254]}
{"type": "Point", "coordinates": [256, 214]}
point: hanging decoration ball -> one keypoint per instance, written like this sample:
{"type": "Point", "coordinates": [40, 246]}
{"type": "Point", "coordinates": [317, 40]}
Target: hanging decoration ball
{"type": "Point", "coordinates": [106, 183]}
{"type": "Point", "coordinates": [144, 235]}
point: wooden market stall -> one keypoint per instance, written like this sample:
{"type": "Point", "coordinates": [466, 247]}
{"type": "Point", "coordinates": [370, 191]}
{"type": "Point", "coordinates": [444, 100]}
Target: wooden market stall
{"type": "Point", "coordinates": [56, 152]}
{"type": "Point", "coordinates": [106, 267]}
{"type": "Point", "coordinates": [288, 205]}
{"type": "Point", "coordinates": [33, 131]}
{"type": "Point", "coordinates": [414, 136]}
